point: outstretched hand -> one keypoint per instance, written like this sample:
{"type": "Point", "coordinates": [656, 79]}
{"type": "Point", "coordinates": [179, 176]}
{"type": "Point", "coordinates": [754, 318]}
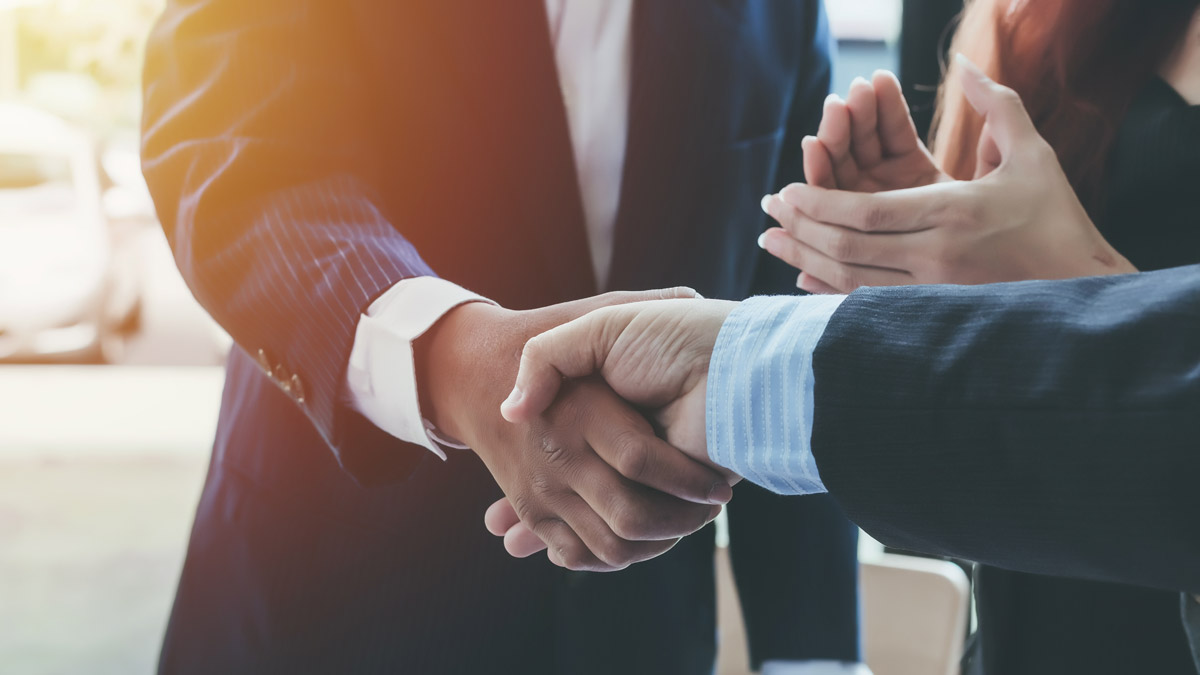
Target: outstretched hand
{"type": "Point", "coordinates": [653, 354]}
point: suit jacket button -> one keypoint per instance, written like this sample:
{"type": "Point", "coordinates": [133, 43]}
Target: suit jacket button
{"type": "Point", "coordinates": [297, 389]}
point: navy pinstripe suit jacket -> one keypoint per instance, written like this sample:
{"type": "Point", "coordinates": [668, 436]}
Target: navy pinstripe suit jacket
{"type": "Point", "coordinates": [304, 156]}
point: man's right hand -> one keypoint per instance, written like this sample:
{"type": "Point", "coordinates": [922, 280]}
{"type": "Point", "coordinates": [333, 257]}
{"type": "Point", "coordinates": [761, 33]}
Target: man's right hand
{"type": "Point", "coordinates": [588, 474]}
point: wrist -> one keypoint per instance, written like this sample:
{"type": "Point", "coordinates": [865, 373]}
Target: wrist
{"type": "Point", "coordinates": [456, 360]}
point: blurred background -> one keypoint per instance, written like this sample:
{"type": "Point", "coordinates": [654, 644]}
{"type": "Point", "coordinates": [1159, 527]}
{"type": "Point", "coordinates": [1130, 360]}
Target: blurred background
{"type": "Point", "coordinates": [95, 507]}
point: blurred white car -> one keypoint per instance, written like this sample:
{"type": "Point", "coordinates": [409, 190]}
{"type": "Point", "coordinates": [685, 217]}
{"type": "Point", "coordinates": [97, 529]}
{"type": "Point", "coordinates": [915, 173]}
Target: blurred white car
{"type": "Point", "coordinates": [67, 291]}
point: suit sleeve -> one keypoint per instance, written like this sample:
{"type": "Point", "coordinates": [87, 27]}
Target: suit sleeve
{"type": "Point", "coordinates": [1046, 427]}
{"type": "Point", "coordinates": [257, 147]}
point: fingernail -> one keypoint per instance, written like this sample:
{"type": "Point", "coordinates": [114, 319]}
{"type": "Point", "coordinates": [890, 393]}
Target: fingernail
{"type": "Point", "coordinates": [511, 402]}
{"type": "Point", "coordinates": [762, 241]}
{"type": "Point", "coordinates": [860, 80]}
{"type": "Point", "coordinates": [832, 98]}
{"type": "Point", "coordinates": [720, 493]}
{"type": "Point", "coordinates": [714, 512]}
{"type": "Point", "coordinates": [765, 201]}
{"type": "Point", "coordinates": [962, 60]}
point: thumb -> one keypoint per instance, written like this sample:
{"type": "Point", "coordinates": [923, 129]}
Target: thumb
{"type": "Point", "coordinates": [574, 349]}
{"type": "Point", "coordinates": [539, 375]}
{"type": "Point", "coordinates": [1007, 121]}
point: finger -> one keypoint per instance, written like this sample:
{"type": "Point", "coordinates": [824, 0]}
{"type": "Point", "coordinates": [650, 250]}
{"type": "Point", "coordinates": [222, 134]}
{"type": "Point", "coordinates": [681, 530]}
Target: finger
{"type": "Point", "coordinates": [888, 249]}
{"type": "Point", "coordinates": [565, 546]}
{"type": "Point", "coordinates": [810, 284]}
{"type": "Point", "coordinates": [521, 542]}
{"type": "Point", "coordinates": [605, 551]}
{"type": "Point", "coordinates": [626, 442]}
{"type": "Point", "coordinates": [864, 124]}
{"type": "Point", "coordinates": [574, 349]}
{"type": "Point", "coordinates": [638, 513]}
{"type": "Point", "coordinates": [842, 276]}
{"type": "Point", "coordinates": [500, 517]}
{"type": "Point", "coordinates": [1000, 106]}
{"type": "Point", "coordinates": [834, 133]}
{"type": "Point", "coordinates": [818, 167]}
{"type": "Point", "coordinates": [891, 211]}
{"type": "Point", "coordinates": [897, 131]}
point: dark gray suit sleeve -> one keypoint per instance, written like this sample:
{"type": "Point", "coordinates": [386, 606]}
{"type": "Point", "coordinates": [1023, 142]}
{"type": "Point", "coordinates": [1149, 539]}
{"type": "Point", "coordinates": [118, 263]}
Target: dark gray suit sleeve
{"type": "Point", "coordinates": [1048, 427]}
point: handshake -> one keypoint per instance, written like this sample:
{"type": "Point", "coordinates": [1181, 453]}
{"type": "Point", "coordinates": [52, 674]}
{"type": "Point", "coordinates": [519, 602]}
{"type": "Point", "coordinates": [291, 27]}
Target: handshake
{"type": "Point", "coordinates": [655, 355]}
{"type": "Point", "coordinates": [635, 474]}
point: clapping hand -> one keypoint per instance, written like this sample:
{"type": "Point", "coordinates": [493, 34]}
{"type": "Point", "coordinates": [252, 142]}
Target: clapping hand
{"type": "Point", "coordinates": [878, 212]}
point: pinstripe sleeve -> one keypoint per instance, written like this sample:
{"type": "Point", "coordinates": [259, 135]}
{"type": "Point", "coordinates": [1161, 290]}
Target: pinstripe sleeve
{"type": "Point", "coordinates": [259, 149]}
{"type": "Point", "coordinates": [760, 391]}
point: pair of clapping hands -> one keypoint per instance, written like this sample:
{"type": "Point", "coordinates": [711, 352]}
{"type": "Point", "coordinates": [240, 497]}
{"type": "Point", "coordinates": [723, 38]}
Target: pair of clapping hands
{"type": "Point", "coordinates": [877, 211]}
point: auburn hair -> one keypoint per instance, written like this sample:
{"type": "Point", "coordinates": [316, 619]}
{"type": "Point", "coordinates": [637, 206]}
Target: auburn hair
{"type": "Point", "coordinates": [1077, 64]}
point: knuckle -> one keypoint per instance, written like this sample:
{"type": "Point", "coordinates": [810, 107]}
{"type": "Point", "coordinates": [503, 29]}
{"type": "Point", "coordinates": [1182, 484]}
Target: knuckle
{"type": "Point", "coordinates": [1008, 96]}
{"type": "Point", "coordinates": [633, 457]}
{"type": "Point", "coordinates": [522, 503]}
{"type": "Point", "coordinates": [555, 532]}
{"type": "Point", "coordinates": [842, 246]}
{"type": "Point", "coordinates": [575, 556]}
{"type": "Point", "coordinates": [616, 552]}
{"type": "Point", "coordinates": [1044, 153]}
{"type": "Point", "coordinates": [554, 452]}
{"type": "Point", "coordinates": [540, 488]}
{"type": "Point", "coordinates": [875, 218]}
{"type": "Point", "coordinates": [843, 279]}
{"type": "Point", "coordinates": [627, 523]}
{"type": "Point", "coordinates": [532, 351]}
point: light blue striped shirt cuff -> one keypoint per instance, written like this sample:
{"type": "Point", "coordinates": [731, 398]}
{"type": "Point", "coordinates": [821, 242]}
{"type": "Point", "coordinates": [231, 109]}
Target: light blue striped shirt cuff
{"type": "Point", "coordinates": [759, 408]}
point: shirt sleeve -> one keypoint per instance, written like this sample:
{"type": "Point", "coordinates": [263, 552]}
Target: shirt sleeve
{"type": "Point", "coordinates": [381, 378]}
{"type": "Point", "coordinates": [759, 403]}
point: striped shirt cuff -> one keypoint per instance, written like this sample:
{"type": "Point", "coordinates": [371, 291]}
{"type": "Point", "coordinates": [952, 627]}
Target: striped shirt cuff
{"type": "Point", "coordinates": [759, 404]}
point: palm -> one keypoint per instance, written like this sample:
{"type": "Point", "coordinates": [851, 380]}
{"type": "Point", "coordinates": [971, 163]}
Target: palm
{"type": "Point", "coordinates": [869, 143]}
{"type": "Point", "coordinates": [912, 169]}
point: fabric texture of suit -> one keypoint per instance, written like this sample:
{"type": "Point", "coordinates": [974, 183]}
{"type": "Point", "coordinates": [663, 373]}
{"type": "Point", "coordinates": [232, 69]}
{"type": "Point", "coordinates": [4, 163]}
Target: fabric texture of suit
{"type": "Point", "coordinates": [304, 157]}
{"type": "Point", "coordinates": [1037, 625]}
{"type": "Point", "coordinates": [1046, 427]}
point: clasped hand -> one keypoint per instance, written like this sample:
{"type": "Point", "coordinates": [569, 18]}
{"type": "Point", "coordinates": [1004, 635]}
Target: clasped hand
{"type": "Point", "coordinates": [653, 354]}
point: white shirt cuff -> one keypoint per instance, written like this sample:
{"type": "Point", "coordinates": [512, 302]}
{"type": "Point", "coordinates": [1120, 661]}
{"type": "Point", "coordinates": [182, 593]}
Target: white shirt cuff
{"type": "Point", "coordinates": [381, 378]}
